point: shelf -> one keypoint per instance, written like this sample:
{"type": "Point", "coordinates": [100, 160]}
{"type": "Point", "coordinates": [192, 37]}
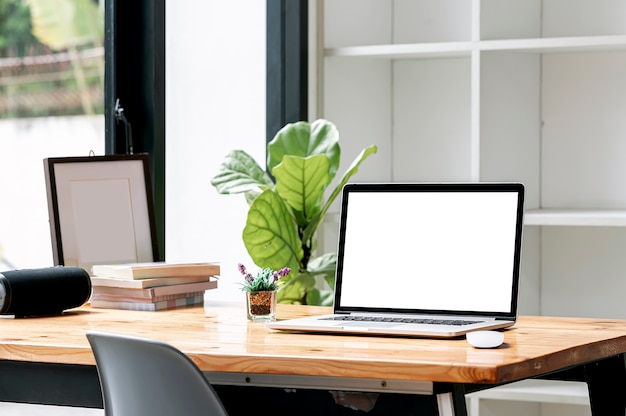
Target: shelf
{"type": "Point", "coordinates": [406, 50]}
{"type": "Point", "coordinates": [569, 44]}
{"type": "Point", "coordinates": [572, 217]}
{"type": "Point", "coordinates": [461, 49]}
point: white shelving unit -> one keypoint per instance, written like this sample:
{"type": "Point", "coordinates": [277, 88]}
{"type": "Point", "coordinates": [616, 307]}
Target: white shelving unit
{"type": "Point", "coordinates": [495, 90]}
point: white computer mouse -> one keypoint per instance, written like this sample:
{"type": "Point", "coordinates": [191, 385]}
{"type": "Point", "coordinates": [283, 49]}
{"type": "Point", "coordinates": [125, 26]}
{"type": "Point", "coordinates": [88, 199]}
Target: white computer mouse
{"type": "Point", "coordinates": [485, 339]}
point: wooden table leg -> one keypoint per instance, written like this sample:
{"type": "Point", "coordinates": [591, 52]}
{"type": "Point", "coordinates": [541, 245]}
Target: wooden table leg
{"type": "Point", "coordinates": [606, 381]}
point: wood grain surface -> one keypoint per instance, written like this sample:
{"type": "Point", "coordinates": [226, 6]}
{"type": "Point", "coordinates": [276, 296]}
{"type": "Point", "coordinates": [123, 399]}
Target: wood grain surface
{"type": "Point", "coordinates": [218, 337]}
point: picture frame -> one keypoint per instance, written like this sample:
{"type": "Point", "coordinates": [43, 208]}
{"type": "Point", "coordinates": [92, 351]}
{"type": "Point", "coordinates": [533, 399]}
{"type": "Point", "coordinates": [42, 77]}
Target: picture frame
{"type": "Point", "coordinates": [101, 210]}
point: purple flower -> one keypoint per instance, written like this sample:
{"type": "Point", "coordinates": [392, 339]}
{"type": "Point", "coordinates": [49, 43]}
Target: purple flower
{"type": "Point", "coordinates": [281, 273]}
{"type": "Point", "coordinates": [266, 279]}
{"type": "Point", "coordinates": [247, 276]}
{"type": "Point", "coordinates": [284, 271]}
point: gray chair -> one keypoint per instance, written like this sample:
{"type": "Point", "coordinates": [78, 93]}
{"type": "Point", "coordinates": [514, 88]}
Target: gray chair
{"type": "Point", "coordinates": [144, 377]}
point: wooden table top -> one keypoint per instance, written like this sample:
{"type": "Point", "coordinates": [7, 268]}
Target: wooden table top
{"type": "Point", "coordinates": [220, 339]}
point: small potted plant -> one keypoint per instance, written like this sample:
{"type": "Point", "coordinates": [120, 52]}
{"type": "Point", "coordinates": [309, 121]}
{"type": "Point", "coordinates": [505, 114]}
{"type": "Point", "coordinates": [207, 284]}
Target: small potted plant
{"type": "Point", "coordinates": [261, 291]}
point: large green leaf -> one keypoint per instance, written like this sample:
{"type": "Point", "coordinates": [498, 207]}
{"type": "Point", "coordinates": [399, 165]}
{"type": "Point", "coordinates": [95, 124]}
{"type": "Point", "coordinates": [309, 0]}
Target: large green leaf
{"type": "Point", "coordinates": [270, 234]}
{"type": "Point", "coordinates": [301, 183]}
{"type": "Point", "coordinates": [320, 297]}
{"type": "Point", "coordinates": [325, 265]}
{"type": "Point", "coordinates": [352, 170]}
{"type": "Point", "coordinates": [303, 139]}
{"type": "Point", "coordinates": [296, 287]}
{"type": "Point", "coordinates": [301, 287]}
{"type": "Point", "coordinates": [238, 173]}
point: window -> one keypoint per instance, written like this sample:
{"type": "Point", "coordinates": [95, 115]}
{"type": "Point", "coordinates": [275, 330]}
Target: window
{"type": "Point", "coordinates": [51, 104]}
{"type": "Point", "coordinates": [208, 69]}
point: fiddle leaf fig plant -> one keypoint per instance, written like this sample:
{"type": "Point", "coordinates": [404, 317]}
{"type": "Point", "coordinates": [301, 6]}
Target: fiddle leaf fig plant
{"type": "Point", "coordinates": [286, 208]}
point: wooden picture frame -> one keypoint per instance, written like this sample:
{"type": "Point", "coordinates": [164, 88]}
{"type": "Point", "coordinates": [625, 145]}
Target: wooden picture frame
{"type": "Point", "coordinates": [101, 210]}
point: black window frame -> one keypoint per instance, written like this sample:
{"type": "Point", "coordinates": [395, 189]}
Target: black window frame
{"type": "Point", "coordinates": [135, 75]}
{"type": "Point", "coordinates": [286, 63]}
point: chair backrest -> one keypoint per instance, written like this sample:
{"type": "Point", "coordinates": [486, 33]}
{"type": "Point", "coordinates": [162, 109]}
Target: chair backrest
{"type": "Point", "coordinates": [144, 377]}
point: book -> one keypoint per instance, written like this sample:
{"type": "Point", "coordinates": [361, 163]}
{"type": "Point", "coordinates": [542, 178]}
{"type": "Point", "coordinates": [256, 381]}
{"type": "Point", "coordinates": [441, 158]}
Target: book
{"type": "Point", "coordinates": [97, 281]}
{"type": "Point", "coordinates": [125, 298]}
{"type": "Point", "coordinates": [153, 292]}
{"type": "Point", "coordinates": [134, 271]}
{"type": "Point", "coordinates": [148, 306]}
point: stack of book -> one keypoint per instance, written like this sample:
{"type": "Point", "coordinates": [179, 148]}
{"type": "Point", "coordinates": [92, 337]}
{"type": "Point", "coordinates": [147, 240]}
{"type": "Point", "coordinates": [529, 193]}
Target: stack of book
{"type": "Point", "coordinates": [151, 286]}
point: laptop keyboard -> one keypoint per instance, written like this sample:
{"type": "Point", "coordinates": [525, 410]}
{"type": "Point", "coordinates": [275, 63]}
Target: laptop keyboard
{"type": "Point", "coordinates": [402, 320]}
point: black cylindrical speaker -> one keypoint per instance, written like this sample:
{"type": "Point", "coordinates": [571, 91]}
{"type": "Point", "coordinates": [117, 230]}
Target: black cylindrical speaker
{"type": "Point", "coordinates": [46, 291]}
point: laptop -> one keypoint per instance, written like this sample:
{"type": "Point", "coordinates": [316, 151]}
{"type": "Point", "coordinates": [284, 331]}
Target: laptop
{"type": "Point", "coordinates": [424, 259]}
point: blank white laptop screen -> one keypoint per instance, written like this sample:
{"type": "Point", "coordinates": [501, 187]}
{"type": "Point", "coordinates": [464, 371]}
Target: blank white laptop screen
{"type": "Point", "coordinates": [424, 259]}
{"type": "Point", "coordinates": [440, 251]}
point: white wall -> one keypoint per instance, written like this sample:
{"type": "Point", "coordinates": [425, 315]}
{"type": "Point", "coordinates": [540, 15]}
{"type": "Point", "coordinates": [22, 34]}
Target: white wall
{"type": "Point", "coordinates": [215, 92]}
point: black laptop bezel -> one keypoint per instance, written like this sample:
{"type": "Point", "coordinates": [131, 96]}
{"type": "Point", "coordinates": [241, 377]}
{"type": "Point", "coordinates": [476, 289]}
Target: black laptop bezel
{"type": "Point", "coordinates": [350, 188]}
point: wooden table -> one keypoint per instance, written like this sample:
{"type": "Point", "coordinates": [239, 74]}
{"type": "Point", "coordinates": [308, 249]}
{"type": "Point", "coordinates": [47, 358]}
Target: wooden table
{"type": "Point", "coordinates": [48, 360]}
